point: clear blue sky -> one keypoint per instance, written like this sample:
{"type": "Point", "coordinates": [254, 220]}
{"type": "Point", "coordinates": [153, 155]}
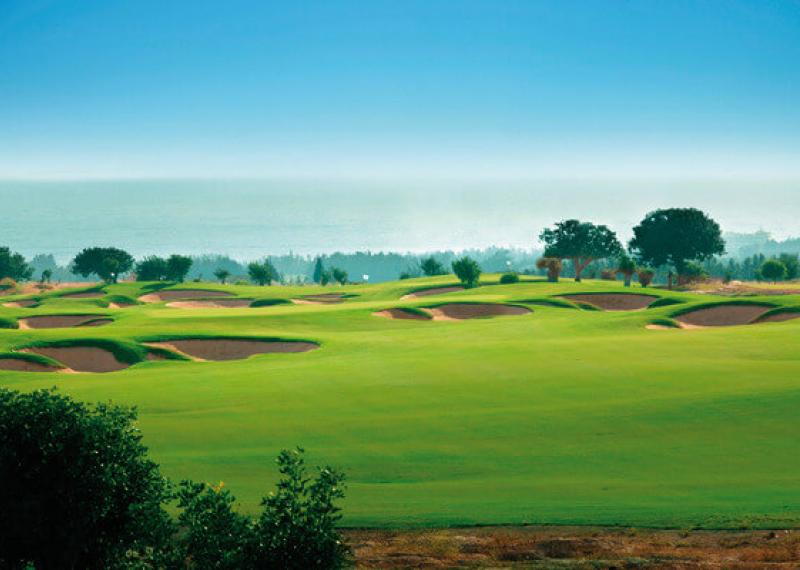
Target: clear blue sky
{"type": "Point", "coordinates": [401, 89]}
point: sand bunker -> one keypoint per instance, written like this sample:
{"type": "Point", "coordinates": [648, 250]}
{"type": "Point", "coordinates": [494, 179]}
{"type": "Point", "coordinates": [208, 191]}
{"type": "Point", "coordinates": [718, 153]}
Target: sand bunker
{"type": "Point", "coordinates": [614, 301]}
{"type": "Point", "coordinates": [84, 295]}
{"type": "Point", "coordinates": [21, 304]}
{"type": "Point", "coordinates": [459, 311]}
{"type": "Point", "coordinates": [211, 304]}
{"type": "Point", "coordinates": [23, 365]}
{"type": "Point", "coordinates": [120, 305]}
{"type": "Point", "coordinates": [321, 299]}
{"type": "Point", "coordinates": [82, 358]}
{"type": "Point", "coordinates": [778, 317]}
{"type": "Point", "coordinates": [63, 321]}
{"type": "Point", "coordinates": [182, 294]}
{"type": "Point", "coordinates": [433, 291]}
{"type": "Point", "coordinates": [725, 315]}
{"type": "Point", "coordinates": [231, 348]}
{"type": "Point", "coordinates": [402, 314]}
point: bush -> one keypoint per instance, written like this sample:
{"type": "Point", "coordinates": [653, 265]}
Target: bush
{"type": "Point", "coordinates": [509, 278]}
{"type": "Point", "coordinates": [13, 266]}
{"type": "Point", "coordinates": [773, 270]}
{"type": "Point", "coordinates": [627, 267]}
{"type": "Point", "coordinates": [430, 267]}
{"type": "Point", "coordinates": [692, 273]}
{"type": "Point", "coordinates": [468, 271]}
{"type": "Point", "coordinates": [263, 273]}
{"type": "Point", "coordinates": [608, 275]}
{"type": "Point", "coordinates": [339, 275]}
{"type": "Point", "coordinates": [553, 267]}
{"type": "Point", "coordinates": [645, 276]}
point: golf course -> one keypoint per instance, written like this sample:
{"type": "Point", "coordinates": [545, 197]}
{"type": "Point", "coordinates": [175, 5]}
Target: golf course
{"type": "Point", "coordinates": [533, 402]}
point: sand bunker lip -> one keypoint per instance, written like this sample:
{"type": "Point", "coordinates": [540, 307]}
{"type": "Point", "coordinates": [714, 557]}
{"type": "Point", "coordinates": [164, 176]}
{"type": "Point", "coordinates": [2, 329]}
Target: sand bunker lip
{"type": "Point", "coordinates": [778, 316]}
{"type": "Point", "coordinates": [81, 358]}
{"type": "Point", "coordinates": [461, 311]}
{"type": "Point", "coordinates": [182, 295]}
{"type": "Point", "coordinates": [231, 348]}
{"type": "Point", "coordinates": [84, 295]}
{"type": "Point", "coordinates": [403, 314]}
{"type": "Point", "coordinates": [321, 299]}
{"type": "Point", "coordinates": [613, 301]}
{"type": "Point", "coordinates": [432, 291]}
{"type": "Point", "coordinates": [24, 304]}
{"type": "Point", "coordinates": [23, 365]}
{"type": "Point", "coordinates": [211, 304]}
{"type": "Point", "coordinates": [63, 321]}
{"type": "Point", "coordinates": [723, 315]}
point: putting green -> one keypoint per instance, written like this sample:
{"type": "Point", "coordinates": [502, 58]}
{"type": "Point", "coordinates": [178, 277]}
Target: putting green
{"type": "Point", "coordinates": [561, 415]}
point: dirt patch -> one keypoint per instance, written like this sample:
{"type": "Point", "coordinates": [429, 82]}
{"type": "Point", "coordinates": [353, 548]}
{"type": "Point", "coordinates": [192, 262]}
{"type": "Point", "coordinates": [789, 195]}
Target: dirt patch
{"type": "Point", "coordinates": [82, 358]}
{"type": "Point", "coordinates": [63, 321]}
{"type": "Point", "coordinates": [23, 365]}
{"type": "Point", "coordinates": [433, 291]}
{"type": "Point", "coordinates": [402, 314]}
{"type": "Point", "coordinates": [723, 315]}
{"type": "Point", "coordinates": [659, 328]}
{"type": "Point", "coordinates": [182, 294]}
{"type": "Point", "coordinates": [460, 311]}
{"type": "Point", "coordinates": [321, 299]}
{"type": "Point", "coordinates": [614, 301]}
{"type": "Point", "coordinates": [778, 317]}
{"type": "Point", "coordinates": [120, 305]}
{"type": "Point", "coordinates": [84, 295]}
{"type": "Point", "coordinates": [211, 304]}
{"type": "Point", "coordinates": [21, 304]}
{"type": "Point", "coordinates": [231, 348]}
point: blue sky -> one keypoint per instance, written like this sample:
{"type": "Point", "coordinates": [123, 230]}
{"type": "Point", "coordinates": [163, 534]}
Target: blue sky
{"type": "Point", "coordinates": [405, 89]}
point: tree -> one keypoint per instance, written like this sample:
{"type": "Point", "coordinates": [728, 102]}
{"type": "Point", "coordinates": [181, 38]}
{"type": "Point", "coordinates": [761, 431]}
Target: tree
{"type": "Point", "coordinates": [178, 267]}
{"type": "Point", "coordinates": [430, 266]}
{"type": "Point", "coordinates": [792, 263]}
{"type": "Point", "coordinates": [627, 267]}
{"type": "Point", "coordinates": [76, 487]}
{"type": "Point", "coordinates": [468, 271]}
{"type": "Point", "coordinates": [325, 277]}
{"type": "Point", "coordinates": [262, 273]}
{"type": "Point", "coordinates": [676, 236]}
{"type": "Point", "coordinates": [645, 276]}
{"type": "Point", "coordinates": [339, 275]}
{"type": "Point", "coordinates": [108, 263]}
{"type": "Point", "coordinates": [222, 275]}
{"type": "Point", "coordinates": [151, 268]}
{"type": "Point", "coordinates": [773, 270]}
{"type": "Point", "coordinates": [581, 242]}
{"type": "Point", "coordinates": [47, 275]}
{"type": "Point", "coordinates": [552, 265]}
{"type": "Point", "coordinates": [13, 266]}
{"type": "Point", "coordinates": [319, 270]}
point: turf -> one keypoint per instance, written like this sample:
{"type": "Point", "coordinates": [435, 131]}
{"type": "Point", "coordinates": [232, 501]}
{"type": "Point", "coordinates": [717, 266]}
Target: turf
{"type": "Point", "coordinates": [558, 416]}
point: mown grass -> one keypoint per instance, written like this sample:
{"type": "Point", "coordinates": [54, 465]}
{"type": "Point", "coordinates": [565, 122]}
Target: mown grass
{"type": "Point", "coordinates": [569, 417]}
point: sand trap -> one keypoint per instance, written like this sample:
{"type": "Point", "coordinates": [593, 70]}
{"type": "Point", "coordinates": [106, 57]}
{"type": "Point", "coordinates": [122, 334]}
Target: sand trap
{"type": "Point", "coordinates": [63, 321]}
{"type": "Point", "coordinates": [22, 365]}
{"type": "Point", "coordinates": [211, 304]}
{"type": "Point", "coordinates": [84, 295]}
{"type": "Point", "coordinates": [21, 304]}
{"type": "Point", "coordinates": [402, 314]}
{"type": "Point", "coordinates": [660, 328]}
{"type": "Point", "coordinates": [182, 294]}
{"type": "Point", "coordinates": [723, 315]}
{"type": "Point", "coordinates": [614, 301]}
{"type": "Point", "coordinates": [321, 299]}
{"type": "Point", "coordinates": [433, 291]}
{"type": "Point", "coordinates": [230, 348]}
{"type": "Point", "coordinates": [120, 305]}
{"type": "Point", "coordinates": [459, 311]}
{"type": "Point", "coordinates": [82, 358]}
{"type": "Point", "coordinates": [778, 317]}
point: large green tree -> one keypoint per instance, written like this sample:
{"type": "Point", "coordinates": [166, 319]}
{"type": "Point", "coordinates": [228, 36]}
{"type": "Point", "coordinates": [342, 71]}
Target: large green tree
{"type": "Point", "coordinates": [262, 273]}
{"type": "Point", "coordinates": [581, 242]}
{"type": "Point", "coordinates": [431, 266]}
{"type": "Point", "coordinates": [178, 267]}
{"type": "Point", "coordinates": [676, 236]}
{"type": "Point", "coordinates": [14, 266]}
{"type": "Point", "coordinates": [108, 263]}
{"type": "Point", "coordinates": [468, 271]}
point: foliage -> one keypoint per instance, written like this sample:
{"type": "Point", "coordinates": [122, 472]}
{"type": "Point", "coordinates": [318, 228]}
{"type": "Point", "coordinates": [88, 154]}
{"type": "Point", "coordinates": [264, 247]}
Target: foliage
{"type": "Point", "coordinates": [76, 487]}
{"type": "Point", "coordinates": [468, 271]}
{"type": "Point", "coordinates": [773, 270]}
{"type": "Point", "coordinates": [792, 263]}
{"type": "Point", "coordinates": [8, 323]}
{"type": "Point", "coordinates": [319, 270]}
{"type": "Point", "coordinates": [262, 273]}
{"type": "Point", "coordinates": [178, 267]}
{"type": "Point", "coordinates": [675, 236]}
{"type": "Point", "coordinates": [508, 278]}
{"type": "Point", "coordinates": [339, 275]}
{"type": "Point", "coordinates": [108, 263]}
{"type": "Point", "coordinates": [13, 266]}
{"type": "Point", "coordinates": [430, 267]}
{"type": "Point", "coordinates": [222, 274]}
{"type": "Point", "coordinates": [608, 275]}
{"type": "Point", "coordinates": [326, 277]}
{"type": "Point", "coordinates": [645, 276]}
{"type": "Point", "coordinates": [152, 268]}
{"type": "Point", "coordinates": [692, 273]}
{"type": "Point", "coordinates": [627, 267]}
{"type": "Point", "coordinates": [8, 286]}
{"type": "Point", "coordinates": [552, 265]}
{"type": "Point", "coordinates": [582, 242]}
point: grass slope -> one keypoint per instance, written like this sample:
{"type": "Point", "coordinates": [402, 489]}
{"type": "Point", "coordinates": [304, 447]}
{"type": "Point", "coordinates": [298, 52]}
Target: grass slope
{"type": "Point", "coordinates": [559, 416]}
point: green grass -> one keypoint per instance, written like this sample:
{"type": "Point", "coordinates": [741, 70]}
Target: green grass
{"type": "Point", "coordinates": [559, 416]}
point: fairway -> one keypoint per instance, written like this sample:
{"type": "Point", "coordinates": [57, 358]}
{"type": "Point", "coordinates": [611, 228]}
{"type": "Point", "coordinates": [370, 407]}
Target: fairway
{"type": "Point", "coordinates": [562, 414]}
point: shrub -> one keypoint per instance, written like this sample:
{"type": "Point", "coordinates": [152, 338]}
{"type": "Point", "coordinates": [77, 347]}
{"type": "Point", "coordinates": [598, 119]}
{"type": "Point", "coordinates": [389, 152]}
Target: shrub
{"type": "Point", "coordinates": [151, 268]}
{"type": "Point", "coordinates": [14, 266]}
{"type": "Point", "coordinates": [692, 273]}
{"type": "Point", "coordinates": [773, 270]}
{"type": "Point", "coordinates": [262, 273]}
{"type": "Point", "coordinates": [178, 267]}
{"type": "Point", "coordinates": [645, 276]}
{"type": "Point", "coordinates": [8, 323]}
{"type": "Point", "coordinates": [508, 278]}
{"type": "Point", "coordinates": [339, 275]}
{"type": "Point", "coordinates": [608, 275]}
{"type": "Point", "coordinates": [553, 267]}
{"type": "Point", "coordinates": [627, 267]}
{"type": "Point", "coordinates": [222, 275]}
{"type": "Point", "coordinates": [468, 271]}
{"type": "Point", "coordinates": [430, 266]}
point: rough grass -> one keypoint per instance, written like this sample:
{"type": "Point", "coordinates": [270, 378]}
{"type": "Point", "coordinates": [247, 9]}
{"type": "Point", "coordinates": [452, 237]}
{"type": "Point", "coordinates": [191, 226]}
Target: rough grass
{"type": "Point", "coordinates": [8, 323]}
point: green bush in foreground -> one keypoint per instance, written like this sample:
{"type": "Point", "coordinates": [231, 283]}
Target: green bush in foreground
{"type": "Point", "coordinates": [77, 491]}
{"type": "Point", "coordinates": [509, 278]}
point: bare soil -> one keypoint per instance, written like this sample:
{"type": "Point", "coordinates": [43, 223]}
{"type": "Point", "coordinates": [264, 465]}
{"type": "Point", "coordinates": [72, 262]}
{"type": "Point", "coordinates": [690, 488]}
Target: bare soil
{"type": "Point", "coordinates": [778, 317]}
{"type": "Point", "coordinates": [231, 349]}
{"type": "Point", "coordinates": [20, 365]}
{"type": "Point", "coordinates": [82, 358]}
{"type": "Point", "coordinates": [615, 301]}
{"type": "Point", "coordinates": [84, 295]}
{"type": "Point", "coordinates": [211, 304]}
{"type": "Point", "coordinates": [62, 321]}
{"type": "Point", "coordinates": [723, 315]}
{"type": "Point", "coordinates": [433, 291]}
{"type": "Point", "coordinates": [460, 311]}
{"type": "Point", "coordinates": [20, 304]}
{"type": "Point", "coordinates": [402, 314]}
{"type": "Point", "coordinates": [182, 294]}
{"type": "Point", "coordinates": [321, 299]}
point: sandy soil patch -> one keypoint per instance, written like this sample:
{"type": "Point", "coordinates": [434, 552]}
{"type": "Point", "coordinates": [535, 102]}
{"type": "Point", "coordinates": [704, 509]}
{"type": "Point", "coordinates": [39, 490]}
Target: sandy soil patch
{"type": "Point", "coordinates": [82, 358]}
{"type": "Point", "coordinates": [21, 304]}
{"type": "Point", "coordinates": [460, 311]}
{"type": "Point", "coordinates": [659, 328]}
{"type": "Point", "coordinates": [230, 348]}
{"type": "Point", "coordinates": [84, 295]}
{"type": "Point", "coordinates": [120, 305]}
{"type": "Point", "coordinates": [778, 317]}
{"type": "Point", "coordinates": [21, 365]}
{"type": "Point", "coordinates": [722, 315]}
{"type": "Point", "coordinates": [182, 295]}
{"type": "Point", "coordinates": [321, 299]}
{"type": "Point", "coordinates": [402, 314]}
{"type": "Point", "coordinates": [433, 291]}
{"type": "Point", "coordinates": [211, 304]}
{"type": "Point", "coordinates": [614, 301]}
{"type": "Point", "coordinates": [63, 321]}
